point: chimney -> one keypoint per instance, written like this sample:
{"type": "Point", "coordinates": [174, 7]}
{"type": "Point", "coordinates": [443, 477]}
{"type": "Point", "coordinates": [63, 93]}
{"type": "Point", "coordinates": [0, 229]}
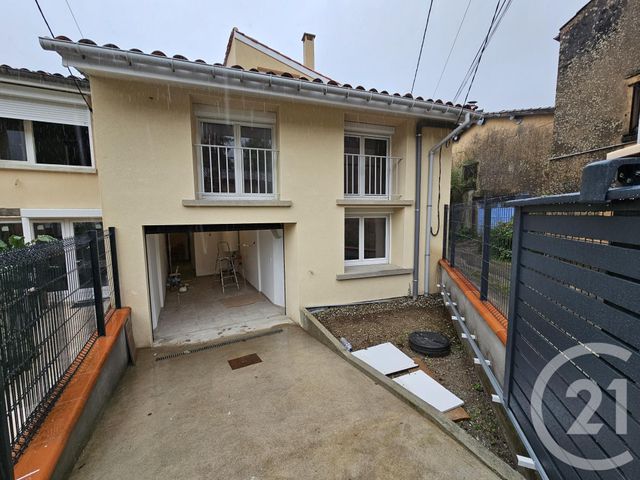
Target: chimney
{"type": "Point", "coordinates": [307, 50]}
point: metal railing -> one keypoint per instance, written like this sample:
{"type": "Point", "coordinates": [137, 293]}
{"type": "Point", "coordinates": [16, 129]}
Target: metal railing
{"type": "Point", "coordinates": [53, 301]}
{"type": "Point", "coordinates": [478, 244]}
{"type": "Point", "coordinates": [371, 176]}
{"type": "Point", "coordinates": [230, 170]}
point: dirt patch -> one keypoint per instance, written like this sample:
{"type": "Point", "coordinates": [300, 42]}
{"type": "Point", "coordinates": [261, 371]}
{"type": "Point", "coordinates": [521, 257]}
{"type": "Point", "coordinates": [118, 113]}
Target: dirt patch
{"type": "Point", "coordinates": [373, 323]}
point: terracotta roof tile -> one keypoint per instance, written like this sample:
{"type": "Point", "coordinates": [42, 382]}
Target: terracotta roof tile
{"type": "Point", "coordinates": [41, 75]}
{"type": "Point", "coordinates": [469, 106]}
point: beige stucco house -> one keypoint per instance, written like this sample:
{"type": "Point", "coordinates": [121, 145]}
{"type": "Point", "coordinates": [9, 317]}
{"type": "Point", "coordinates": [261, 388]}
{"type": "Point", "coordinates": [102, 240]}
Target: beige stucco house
{"type": "Point", "coordinates": [48, 177]}
{"type": "Point", "coordinates": [311, 183]}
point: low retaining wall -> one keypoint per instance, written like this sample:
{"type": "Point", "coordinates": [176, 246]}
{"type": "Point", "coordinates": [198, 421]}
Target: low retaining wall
{"type": "Point", "coordinates": [480, 321]}
{"type": "Point", "coordinates": [56, 447]}
{"type": "Point", "coordinates": [311, 324]}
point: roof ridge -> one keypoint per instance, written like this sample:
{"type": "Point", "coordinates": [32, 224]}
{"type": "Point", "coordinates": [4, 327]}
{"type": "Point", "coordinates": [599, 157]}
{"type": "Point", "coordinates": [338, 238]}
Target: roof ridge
{"type": "Point", "coordinates": [236, 30]}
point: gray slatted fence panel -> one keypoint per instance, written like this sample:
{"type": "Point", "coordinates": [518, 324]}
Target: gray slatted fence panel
{"type": "Point", "coordinates": [576, 280]}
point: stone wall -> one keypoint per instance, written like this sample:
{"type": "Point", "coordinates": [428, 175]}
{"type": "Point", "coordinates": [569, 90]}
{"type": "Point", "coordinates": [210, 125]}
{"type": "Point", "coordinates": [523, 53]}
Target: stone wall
{"type": "Point", "coordinates": [512, 154]}
{"type": "Point", "coordinates": [598, 62]}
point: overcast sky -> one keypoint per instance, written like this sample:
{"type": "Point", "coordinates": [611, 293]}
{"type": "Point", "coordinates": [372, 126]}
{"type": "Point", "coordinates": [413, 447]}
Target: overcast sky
{"type": "Point", "coordinates": [373, 43]}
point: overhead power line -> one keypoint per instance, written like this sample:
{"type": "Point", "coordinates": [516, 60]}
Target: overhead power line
{"type": "Point", "coordinates": [75, 80]}
{"type": "Point", "coordinates": [501, 9]}
{"type": "Point", "coordinates": [435, 90]}
{"type": "Point", "coordinates": [74, 18]}
{"type": "Point", "coordinates": [498, 15]}
{"type": "Point", "coordinates": [424, 35]}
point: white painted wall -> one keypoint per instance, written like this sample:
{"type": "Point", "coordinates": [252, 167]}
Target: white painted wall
{"type": "Point", "coordinates": [157, 270]}
{"type": "Point", "coordinates": [262, 254]}
{"type": "Point", "coordinates": [271, 260]}
{"type": "Point", "coordinates": [250, 257]}
{"type": "Point", "coordinates": [205, 248]}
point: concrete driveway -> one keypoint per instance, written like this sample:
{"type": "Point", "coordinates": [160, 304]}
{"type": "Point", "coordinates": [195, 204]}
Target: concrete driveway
{"type": "Point", "coordinates": [303, 412]}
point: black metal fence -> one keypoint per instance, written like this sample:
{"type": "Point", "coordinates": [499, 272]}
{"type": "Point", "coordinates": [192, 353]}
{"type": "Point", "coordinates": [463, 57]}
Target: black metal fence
{"type": "Point", "coordinates": [478, 243]}
{"type": "Point", "coordinates": [53, 301]}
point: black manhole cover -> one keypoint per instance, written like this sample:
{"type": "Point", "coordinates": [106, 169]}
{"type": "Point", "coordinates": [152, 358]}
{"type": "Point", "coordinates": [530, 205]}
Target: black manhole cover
{"type": "Point", "coordinates": [432, 344]}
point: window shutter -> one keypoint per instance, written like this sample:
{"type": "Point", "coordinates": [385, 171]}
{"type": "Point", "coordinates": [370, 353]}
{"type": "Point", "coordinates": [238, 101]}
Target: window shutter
{"type": "Point", "coordinates": [43, 110]}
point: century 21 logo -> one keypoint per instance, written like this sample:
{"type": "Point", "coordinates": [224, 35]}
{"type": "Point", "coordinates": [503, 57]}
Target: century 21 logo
{"type": "Point", "coordinates": [583, 424]}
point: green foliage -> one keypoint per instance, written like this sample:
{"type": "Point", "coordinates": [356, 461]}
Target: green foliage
{"type": "Point", "coordinates": [457, 185]}
{"type": "Point", "coordinates": [501, 238]}
{"type": "Point", "coordinates": [17, 241]}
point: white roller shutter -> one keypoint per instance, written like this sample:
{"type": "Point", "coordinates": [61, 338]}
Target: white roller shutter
{"type": "Point", "coordinates": [42, 106]}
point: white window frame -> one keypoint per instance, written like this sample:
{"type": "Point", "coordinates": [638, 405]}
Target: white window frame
{"type": "Point", "coordinates": [237, 124]}
{"type": "Point", "coordinates": [12, 221]}
{"type": "Point", "coordinates": [369, 261]}
{"type": "Point", "coordinates": [362, 134]}
{"type": "Point", "coordinates": [31, 161]}
{"type": "Point", "coordinates": [30, 105]}
{"type": "Point", "coordinates": [66, 225]}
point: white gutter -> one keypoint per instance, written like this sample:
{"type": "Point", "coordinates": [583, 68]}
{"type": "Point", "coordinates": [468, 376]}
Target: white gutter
{"type": "Point", "coordinates": [427, 254]}
{"type": "Point", "coordinates": [92, 58]}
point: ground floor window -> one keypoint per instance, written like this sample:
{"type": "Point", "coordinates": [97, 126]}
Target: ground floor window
{"type": "Point", "coordinates": [8, 229]}
{"type": "Point", "coordinates": [366, 239]}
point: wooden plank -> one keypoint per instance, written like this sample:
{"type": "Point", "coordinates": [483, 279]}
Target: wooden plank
{"type": "Point", "coordinates": [458, 415]}
{"type": "Point", "coordinates": [620, 228]}
{"type": "Point", "coordinates": [623, 261]}
{"type": "Point", "coordinates": [616, 322]}
{"type": "Point", "coordinates": [621, 292]}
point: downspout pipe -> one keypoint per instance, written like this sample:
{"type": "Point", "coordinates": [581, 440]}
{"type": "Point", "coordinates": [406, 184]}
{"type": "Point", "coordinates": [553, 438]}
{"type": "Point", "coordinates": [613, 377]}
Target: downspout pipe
{"type": "Point", "coordinates": [432, 153]}
{"type": "Point", "coordinates": [416, 232]}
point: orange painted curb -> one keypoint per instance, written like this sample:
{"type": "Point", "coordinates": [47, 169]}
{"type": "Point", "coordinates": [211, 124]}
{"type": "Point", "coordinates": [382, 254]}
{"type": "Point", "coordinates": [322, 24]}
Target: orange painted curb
{"type": "Point", "coordinates": [496, 321]}
{"type": "Point", "coordinates": [39, 460]}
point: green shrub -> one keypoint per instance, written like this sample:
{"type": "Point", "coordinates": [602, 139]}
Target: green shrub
{"type": "Point", "coordinates": [501, 238]}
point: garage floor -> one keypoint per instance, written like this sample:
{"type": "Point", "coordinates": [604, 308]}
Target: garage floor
{"type": "Point", "coordinates": [303, 412]}
{"type": "Point", "coordinates": [204, 313]}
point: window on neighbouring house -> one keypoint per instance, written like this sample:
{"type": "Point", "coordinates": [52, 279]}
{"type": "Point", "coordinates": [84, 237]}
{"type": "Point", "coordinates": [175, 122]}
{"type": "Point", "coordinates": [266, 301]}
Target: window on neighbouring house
{"type": "Point", "coordinates": [12, 140]}
{"type": "Point", "coordinates": [44, 143]}
{"type": "Point", "coordinates": [470, 176]}
{"type": "Point", "coordinates": [366, 239]}
{"type": "Point", "coordinates": [57, 144]}
{"type": "Point", "coordinates": [237, 159]}
{"type": "Point", "coordinates": [635, 110]}
{"type": "Point", "coordinates": [7, 229]}
{"type": "Point", "coordinates": [366, 165]}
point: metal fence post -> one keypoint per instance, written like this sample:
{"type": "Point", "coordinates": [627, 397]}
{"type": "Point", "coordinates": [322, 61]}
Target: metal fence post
{"type": "Point", "coordinates": [486, 252]}
{"type": "Point", "coordinates": [445, 231]}
{"type": "Point", "coordinates": [115, 273]}
{"type": "Point", "coordinates": [6, 461]}
{"type": "Point", "coordinates": [97, 282]}
{"type": "Point", "coordinates": [452, 236]}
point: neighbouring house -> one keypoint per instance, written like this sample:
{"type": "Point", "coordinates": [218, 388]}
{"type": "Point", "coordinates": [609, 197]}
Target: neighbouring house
{"type": "Point", "coordinates": [48, 179]}
{"type": "Point", "coordinates": [311, 183]}
{"type": "Point", "coordinates": [505, 155]}
{"type": "Point", "coordinates": [598, 89]}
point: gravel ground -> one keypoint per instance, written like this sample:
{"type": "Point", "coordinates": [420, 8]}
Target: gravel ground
{"type": "Point", "coordinates": [373, 323]}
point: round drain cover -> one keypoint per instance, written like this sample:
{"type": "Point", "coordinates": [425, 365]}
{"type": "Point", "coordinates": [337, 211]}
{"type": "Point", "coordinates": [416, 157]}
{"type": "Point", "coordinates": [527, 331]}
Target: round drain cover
{"type": "Point", "coordinates": [432, 344]}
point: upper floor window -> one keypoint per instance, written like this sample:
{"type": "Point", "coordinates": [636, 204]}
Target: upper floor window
{"type": "Point", "coordinates": [237, 159]}
{"type": "Point", "coordinates": [12, 140]}
{"type": "Point", "coordinates": [366, 165]}
{"type": "Point", "coordinates": [44, 143]}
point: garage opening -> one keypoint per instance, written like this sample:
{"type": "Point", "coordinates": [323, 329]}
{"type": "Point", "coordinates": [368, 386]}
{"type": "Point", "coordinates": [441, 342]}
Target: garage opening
{"type": "Point", "coordinates": [210, 281]}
